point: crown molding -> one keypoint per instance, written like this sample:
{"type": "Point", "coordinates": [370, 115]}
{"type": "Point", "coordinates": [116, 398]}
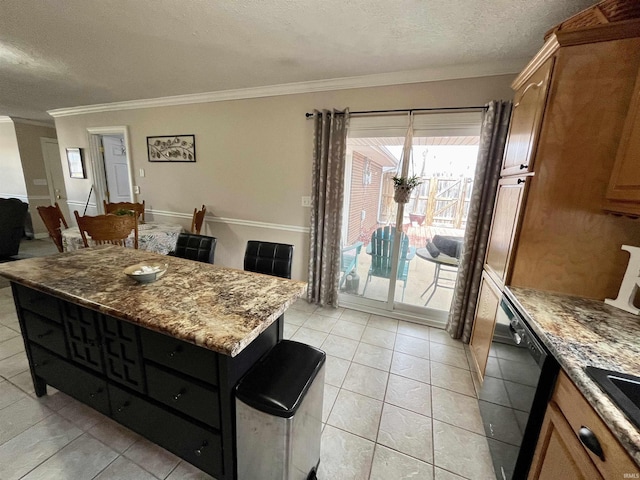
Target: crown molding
{"type": "Point", "coordinates": [378, 80]}
{"type": "Point", "coordinates": [4, 119]}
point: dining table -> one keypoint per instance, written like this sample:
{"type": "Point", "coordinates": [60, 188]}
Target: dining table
{"type": "Point", "coordinates": [153, 237]}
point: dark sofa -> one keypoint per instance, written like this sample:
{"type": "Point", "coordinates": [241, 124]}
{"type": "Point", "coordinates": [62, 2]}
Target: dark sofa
{"type": "Point", "coordinates": [12, 217]}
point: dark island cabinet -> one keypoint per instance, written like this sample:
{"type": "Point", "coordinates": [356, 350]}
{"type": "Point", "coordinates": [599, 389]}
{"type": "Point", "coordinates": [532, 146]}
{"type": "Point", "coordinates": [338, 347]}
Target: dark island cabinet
{"type": "Point", "coordinates": [172, 392]}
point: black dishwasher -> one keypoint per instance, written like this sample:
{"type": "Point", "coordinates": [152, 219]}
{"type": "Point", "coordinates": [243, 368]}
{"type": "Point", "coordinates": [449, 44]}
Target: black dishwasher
{"type": "Point", "coordinates": [518, 383]}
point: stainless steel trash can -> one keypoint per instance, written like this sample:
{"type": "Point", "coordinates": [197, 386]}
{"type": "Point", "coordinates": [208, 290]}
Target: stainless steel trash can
{"type": "Point", "coordinates": [279, 414]}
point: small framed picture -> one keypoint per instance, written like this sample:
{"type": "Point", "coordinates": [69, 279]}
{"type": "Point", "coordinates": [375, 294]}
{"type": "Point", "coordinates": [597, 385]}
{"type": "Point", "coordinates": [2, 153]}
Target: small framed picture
{"type": "Point", "coordinates": [76, 163]}
{"type": "Point", "coordinates": [172, 148]}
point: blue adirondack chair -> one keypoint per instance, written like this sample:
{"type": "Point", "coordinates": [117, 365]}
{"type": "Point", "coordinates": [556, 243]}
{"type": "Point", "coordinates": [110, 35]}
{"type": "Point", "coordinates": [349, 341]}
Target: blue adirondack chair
{"type": "Point", "coordinates": [380, 250]}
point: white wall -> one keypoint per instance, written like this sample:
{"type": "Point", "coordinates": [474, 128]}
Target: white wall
{"type": "Point", "coordinates": [11, 177]}
{"type": "Point", "coordinates": [253, 157]}
{"type": "Point", "coordinates": [34, 171]}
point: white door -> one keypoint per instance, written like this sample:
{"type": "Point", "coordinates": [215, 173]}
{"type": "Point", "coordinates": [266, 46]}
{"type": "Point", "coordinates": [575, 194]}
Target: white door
{"type": "Point", "coordinates": [116, 168]}
{"type": "Point", "coordinates": [55, 175]}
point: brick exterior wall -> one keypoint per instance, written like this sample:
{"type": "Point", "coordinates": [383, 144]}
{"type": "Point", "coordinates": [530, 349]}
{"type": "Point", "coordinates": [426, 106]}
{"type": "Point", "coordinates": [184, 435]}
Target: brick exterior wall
{"type": "Point", "coordinates": [363, 197]}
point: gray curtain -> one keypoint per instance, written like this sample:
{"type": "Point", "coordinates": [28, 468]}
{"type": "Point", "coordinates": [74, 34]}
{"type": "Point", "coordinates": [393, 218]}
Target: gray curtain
{"type": "Point", "coordinates": [493, 137]}
{"type": "Point", "coordinates": [327, 192]}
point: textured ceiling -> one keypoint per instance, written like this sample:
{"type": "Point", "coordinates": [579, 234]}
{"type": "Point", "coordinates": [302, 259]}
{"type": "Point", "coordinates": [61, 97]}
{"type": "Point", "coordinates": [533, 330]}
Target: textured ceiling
{"type": "Point", "coordinates": [66, 53]}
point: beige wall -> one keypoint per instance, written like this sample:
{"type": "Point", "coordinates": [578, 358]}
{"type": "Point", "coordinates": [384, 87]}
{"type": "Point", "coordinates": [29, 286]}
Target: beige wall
{"type": "Point", "coordinates": [33, 168]}
{"type": "Point", "coordinates": [253, 157]}
{"type": "Point", "coordinates": [11, 176]}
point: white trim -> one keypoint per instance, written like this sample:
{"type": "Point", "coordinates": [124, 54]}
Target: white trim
{"type": "Point", "coordinates": [233, 221]}
{"type": "Point", "coordinates": [39, 197]}
{"type": "Point", "coordinates": [209, 218]}
{"type": "Point", "coordinates": [378, 80]}
{"type": "Point", "coordinates": [5, 119]}
{"type": "Point", "coordinates": [97, 165]}
{"type": "Point", "coordinates": [40, 236]}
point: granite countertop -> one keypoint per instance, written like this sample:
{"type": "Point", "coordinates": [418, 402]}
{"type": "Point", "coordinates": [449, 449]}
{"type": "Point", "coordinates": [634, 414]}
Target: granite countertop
{"type": "Point", "coordinates": [581, 332]}
{"type": "Point", "coordinates": [222, 309]}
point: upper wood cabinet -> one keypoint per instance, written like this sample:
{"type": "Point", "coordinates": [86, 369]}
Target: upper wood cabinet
{"type": "Point", "coordinates": [526, 118]}
{"type": "Point", "coordinates": [504, 227]}
{"type": "Point", "coordinates": [623, 194]}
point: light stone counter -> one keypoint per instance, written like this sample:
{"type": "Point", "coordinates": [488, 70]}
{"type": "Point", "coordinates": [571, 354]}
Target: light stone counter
{"type": "Point", "coordinates": [218, 308]}
{"type": "Point", "coordinates": [581, 332]}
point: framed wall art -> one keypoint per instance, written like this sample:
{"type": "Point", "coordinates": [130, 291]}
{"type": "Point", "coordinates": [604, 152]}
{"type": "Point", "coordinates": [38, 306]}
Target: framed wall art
{"type": "Point", "coordinates": [171, 148]}
{"type": "Point", "coordinates": [76, 163]}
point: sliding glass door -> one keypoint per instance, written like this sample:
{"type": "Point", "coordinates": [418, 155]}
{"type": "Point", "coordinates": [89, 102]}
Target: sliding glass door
{"type": "Point", "coordinates": [401, 259]}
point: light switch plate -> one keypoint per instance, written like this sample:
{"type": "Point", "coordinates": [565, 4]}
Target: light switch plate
{"type": "Point", "coordinates": [142, 172]}
{"type": "Point", "coordinates": [136, 189]}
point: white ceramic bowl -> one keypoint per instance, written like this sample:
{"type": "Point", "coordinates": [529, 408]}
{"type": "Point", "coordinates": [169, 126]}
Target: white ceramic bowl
{"type": "Point", "coordinates": [146, 272]}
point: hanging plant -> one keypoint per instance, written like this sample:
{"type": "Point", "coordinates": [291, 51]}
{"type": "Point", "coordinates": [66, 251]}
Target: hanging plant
{"type": "Point", "coordinates": [404, 186]}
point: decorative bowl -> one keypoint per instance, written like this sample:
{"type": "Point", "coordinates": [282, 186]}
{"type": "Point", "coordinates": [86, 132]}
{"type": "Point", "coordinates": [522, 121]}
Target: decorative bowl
{"type": "Point", "coordinates": [146, 272]}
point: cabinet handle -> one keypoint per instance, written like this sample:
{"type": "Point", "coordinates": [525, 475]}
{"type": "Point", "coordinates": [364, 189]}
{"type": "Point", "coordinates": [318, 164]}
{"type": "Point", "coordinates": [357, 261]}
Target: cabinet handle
{"type": "Point", "coordinates": [42, 335]}
{"type": "Point", "coordinates": [589, 440]}
{"type": "Point", "coordinates": [521, 180]}
{"type": "Point", "coordinates": [177, 350]}
{"type": "Point", "coordinates": [97, 392]}
{"type": "Point", "coordinates": [523, 166]}
{"type": "Point", "coordinates": [177, 396]}
{"type": "Point", "coordinates": [198, 452]}
{"type": "Point", "coordinates": [123, 406]}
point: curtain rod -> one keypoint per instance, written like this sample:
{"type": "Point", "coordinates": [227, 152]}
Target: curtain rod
{"type": "Point", "coordinates": [408, 110]}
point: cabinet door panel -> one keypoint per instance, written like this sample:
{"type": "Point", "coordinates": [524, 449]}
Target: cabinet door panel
{"type": "Point", "coordinates": [70, 379]}
{"type": "Point", "coordinates": [184, 395]}
{"type": "Point", "coordinates": [506, 217]}
{"type": "Point", "coordinates": [526, 119]}
{"type": "Point", "coordinates": [181, 356]}
{"type": "Point", "coordinates": [484, 323]}
{"type": "Point", "coordinates": [43, 332]}
{"type": "Point", "coordinates": [83, 336]}
{"type": "Point", "coordinates": [38, 302]}
{"type": "Point", "coordinates": [558, 453]}
{"type": "Point", "coordinates": [625, 179]}
{"type": "Point", "coordinates": [122, 357]}
{"type": "Point", "coordinates": [198, 446]}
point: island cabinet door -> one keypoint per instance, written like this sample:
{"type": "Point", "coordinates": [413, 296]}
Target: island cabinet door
{"type": "Point", "coordinates": [83, 336]}
{"type": "Point", "coordinates": [197, 445]}
{"type": "Point", "coordinates": [70, 379]}
{"type": "Point", "coordinates": [180, 356]}
{"type": "Point", "coordinates": [122, 354]}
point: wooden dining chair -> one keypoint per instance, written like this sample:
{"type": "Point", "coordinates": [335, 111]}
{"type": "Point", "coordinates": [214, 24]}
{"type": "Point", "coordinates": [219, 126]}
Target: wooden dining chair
{"type": "Point", "coordinates": [114, 207]}
{"type": "Point", "coordinates": [52, 218]}
{"type": "Point", "coordinates": [113, 229]}
{"type": "Point", "coordinates": [198, 218]}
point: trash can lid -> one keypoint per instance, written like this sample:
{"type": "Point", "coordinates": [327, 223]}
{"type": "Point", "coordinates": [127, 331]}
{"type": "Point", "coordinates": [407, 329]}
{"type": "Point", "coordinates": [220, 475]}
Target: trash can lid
{"type": "Point", "coordinates": [278, 383]}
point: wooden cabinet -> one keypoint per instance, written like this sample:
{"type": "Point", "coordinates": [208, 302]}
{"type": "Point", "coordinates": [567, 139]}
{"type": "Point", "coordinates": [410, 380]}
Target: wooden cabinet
{"type": "Point", "coordinates": [526, 118]}
{"type": "Point", "coordinates": [623, 194]}
{"type": "Point", "coordinates": [559, 453]}
{"type": "Point", "coordinates": [557, 237]}
{"type": "Point", "coordinates": [562, 452]}
{"type": "Point", "coordinates": [504, 225]}
{"type": "Point", "coordinates": [174, 393]}
{"type": "Point", "coordinates": [485, 320]}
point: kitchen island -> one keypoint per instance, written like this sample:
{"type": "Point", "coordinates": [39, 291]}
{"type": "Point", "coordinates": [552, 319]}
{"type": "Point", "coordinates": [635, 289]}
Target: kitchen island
{"type": "Point", "coordinates": [160, 358]}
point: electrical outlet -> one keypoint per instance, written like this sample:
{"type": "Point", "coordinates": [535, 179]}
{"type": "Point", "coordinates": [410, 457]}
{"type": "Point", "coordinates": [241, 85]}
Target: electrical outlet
{"type": "Point", "coordinates": [306, 201]}
{"type": "Point", "coordinates": [136, 189]}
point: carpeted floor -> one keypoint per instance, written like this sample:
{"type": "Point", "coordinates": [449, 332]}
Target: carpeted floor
{"type": "Point", "coordinates": [30, 249]}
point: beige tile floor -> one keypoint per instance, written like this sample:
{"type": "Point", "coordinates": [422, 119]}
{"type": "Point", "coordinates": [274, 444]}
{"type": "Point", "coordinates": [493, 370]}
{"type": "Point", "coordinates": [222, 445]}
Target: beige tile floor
{"type": "Point", "coordinates": [399, 402]}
